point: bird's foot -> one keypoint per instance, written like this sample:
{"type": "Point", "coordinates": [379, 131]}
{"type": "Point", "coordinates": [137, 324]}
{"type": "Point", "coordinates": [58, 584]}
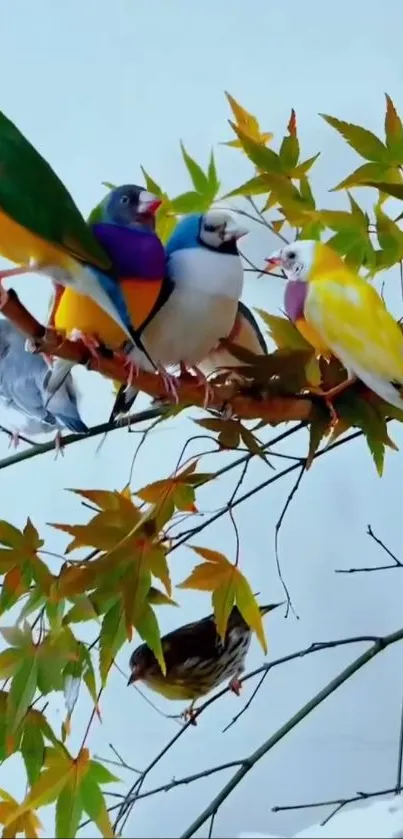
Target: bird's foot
{"type": "Point", "coordinates": [14, 440]}
{"type": "Point", "coordinates": [189, 715]}
{"type": "Point", "coordinates": [170, 384]}
{"type": "Point", "coordinates": [90, 342]}
{"type": "Point", "coordinates": [202, 381]}
{"type": "Point", "coordinates": [59, 445]}
{"type": "Point", "coordinates": [16, 272]}
{"type": "Point", "coordinates": [235, 685]}
{"type": "Point", "coordinates": [3, 296]}
{"type": "Point", "coordinates": [329, 395]}
{"type": "Point", "coordinates": [133, 372]}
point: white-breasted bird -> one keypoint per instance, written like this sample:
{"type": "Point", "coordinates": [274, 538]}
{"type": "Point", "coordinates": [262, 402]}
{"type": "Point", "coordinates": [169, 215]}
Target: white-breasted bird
{"type": "Point", "coordinates": [198, 303]}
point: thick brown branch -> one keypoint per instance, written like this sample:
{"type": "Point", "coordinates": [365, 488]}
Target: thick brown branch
{"type": "Point", "coordinates": [274, 409]}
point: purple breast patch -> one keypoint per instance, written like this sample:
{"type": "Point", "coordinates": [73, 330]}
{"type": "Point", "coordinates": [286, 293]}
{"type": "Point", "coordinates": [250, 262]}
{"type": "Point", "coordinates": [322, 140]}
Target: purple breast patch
{"type": "Point", "coordinates": [294, 299]}
{"type": "Point", "coordinates": [134, 253]}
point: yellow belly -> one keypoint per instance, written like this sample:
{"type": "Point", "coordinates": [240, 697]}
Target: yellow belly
{"type": "Point", "coordinates": [311, 335]}
{"type": "Point", "coordinates": [176, 688]}
{"type": "Point", "coordinates": [75, 311]}
{"type": "Point", "coordinates": [21, 246]}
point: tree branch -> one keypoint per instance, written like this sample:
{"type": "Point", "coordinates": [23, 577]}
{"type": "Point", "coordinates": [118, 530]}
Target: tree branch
{"type": "Point", "coordinates": [95, 431]}
{"type": "Point", "coordinates": [274, 409]}
{"type": "Point", "coordinates": [275, 738]}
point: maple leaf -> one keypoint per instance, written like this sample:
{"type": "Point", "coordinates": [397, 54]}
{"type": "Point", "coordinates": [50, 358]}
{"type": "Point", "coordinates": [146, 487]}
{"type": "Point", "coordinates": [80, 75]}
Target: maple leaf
{"type": "Point", "coordinates": [26, 823]}
{"type": "Point", "coordinates": [74, 783]}
{"type": "Point", "coordinates": [174, 493]}
{"type": "Point", "coordinates": [20, 564]}
{"type": "Point", "coordinates": [248, 123]}
{"type": "Point", "coordinates": [229, 587]}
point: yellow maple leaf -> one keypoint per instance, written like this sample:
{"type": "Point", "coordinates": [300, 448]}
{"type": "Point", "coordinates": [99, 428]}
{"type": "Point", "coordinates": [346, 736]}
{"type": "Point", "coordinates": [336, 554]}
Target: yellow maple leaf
{"type": "Point", "coordinates": [248, 123]}
{"type": "Point", "coordinates": [229, 588]}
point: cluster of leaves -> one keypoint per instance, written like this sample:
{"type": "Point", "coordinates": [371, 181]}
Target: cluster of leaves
{"type": "Point", "coordinates": [114, 588]}
{"type": "Point", "coordinates": [282, 181]}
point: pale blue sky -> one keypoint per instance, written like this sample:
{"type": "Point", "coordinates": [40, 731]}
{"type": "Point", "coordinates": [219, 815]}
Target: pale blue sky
{"type": "Point", "coordinates": [100, 87]}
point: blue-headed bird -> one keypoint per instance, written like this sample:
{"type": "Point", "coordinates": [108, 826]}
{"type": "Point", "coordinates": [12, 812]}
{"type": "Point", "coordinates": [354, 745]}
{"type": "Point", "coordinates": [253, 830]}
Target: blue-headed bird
{"type": "Point", "coordinates": [198, 303]}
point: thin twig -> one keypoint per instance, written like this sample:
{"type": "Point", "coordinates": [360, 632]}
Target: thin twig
{"type": "Point", "coordinates": [41, 448]}
{"type": "Point", "coordinates": [360, 796]}
{"type": "Point", "coordinates": [396, 562]}
{"type": "Point", "coordinates": [379, 542]}
{"type": "Point", "coordinates": [400, 756]}
{"type": "Point", "coordinates": [279, 523]}
{"type": "Point", "coordinates": [183, 537]}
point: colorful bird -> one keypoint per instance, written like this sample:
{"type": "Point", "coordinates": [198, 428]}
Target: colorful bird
{"type": "Point", "coordinates": [199, 297]}
{"type": "Point", "coordinates": [196, 658]}
{"type": "Point", "coordinates": [124, 224]}
{"type": "Point", "coordinates": [23, 387]}
{"type": "Point", "coordinates": [43, 231]}
{"type": "Point", "coordinates": [345, 315]}
{"type": "Point", "coordinates": [246, 334]}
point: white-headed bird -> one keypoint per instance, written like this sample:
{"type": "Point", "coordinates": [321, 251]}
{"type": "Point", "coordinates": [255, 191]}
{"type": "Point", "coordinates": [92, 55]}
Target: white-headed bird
{"type": "Point", "coordinates": [337, 310]}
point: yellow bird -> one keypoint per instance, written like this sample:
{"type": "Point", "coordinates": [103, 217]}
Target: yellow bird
{"type": "Point", "coordinates": [343, 313]}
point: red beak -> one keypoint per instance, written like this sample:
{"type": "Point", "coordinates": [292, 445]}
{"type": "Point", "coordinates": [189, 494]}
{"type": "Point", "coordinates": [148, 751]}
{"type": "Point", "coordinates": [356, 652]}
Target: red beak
{"type": "Point", "coordinates": [153, 207]}
{"type": "Point", "coordinates": [273, 261]}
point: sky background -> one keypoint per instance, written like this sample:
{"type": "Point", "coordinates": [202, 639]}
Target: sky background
{"type": "Point", "coordinates": [100, 88]}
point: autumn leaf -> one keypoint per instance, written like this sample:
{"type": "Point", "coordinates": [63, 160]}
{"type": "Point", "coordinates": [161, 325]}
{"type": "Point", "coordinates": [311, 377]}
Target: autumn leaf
{"type": "Point", "coordinates": [112, 638]}
{"type": "Point", "coordinates": [70, 781]}
{"type": "Point", "coordinates": [393, 132]}
{"type": "Point", "coordinates": [390, 237]}
{"type": "Point", "coordinates": [289, 149]}
{"type": "Point", "coordinates": [28, 823]}
{"type": "Point", "coordinates": [248, 123]}
{"type": "Point", "coordinates": [167, 495]}
{"type": "Point", "coordinates": [229, 587]}
{"type": "Point", "coordinates": [283, 332]}
{"type": "Point", "coordinates": [364, 142]}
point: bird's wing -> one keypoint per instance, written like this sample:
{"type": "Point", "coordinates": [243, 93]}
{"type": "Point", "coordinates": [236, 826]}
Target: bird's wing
{"type": "Point", "coordinates": [352, 320]}
{"type": "Point", "coordinates": [198, 640]}
{"type": "Point", "coordinates": [38, 217]}
{"type": "Point", "coordinates": [20, 383]}
{"type": "Point", "coordinates": [62, 405]}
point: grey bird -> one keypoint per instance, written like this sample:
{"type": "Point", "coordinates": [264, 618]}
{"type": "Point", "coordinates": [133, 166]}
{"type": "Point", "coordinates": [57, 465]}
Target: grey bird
{"type": "Point", "coordinates": [23, 387]}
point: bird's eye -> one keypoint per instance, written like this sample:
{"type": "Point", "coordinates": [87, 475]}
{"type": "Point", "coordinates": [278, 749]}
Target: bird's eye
{"type": "Point", "coordinates": [292, 255]}
{"type": "Point", "coordinates": [210, 228]}
{"type": "Point", "coordinates": [124, 199]}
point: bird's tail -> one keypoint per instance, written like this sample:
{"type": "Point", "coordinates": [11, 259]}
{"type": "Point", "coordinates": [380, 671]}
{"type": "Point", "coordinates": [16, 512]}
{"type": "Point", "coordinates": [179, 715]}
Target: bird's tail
{"type": "Point", "coordinates": [124, 402]}
{"type": "Point", "coordinates": [72, 423]}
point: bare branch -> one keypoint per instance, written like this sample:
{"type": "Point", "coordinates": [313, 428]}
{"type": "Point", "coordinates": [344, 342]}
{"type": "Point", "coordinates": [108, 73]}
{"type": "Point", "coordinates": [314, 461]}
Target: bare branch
{"type": "Point", "coordinates": [279, 523]}
{"type": "Point", "coordinates": [95, 431]}
{"type": "Point", "coordinates": [360, 796]}
{"type": "Point", "coordinates": [396, 562]}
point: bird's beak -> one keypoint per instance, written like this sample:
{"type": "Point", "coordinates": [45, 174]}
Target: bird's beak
{"type": "Point", "coordinates": [274, 261]}
{"type": "Point", "coordinates": [234, 231]}
{"type": "Point", "coordinates": [133, 677]}
{"type": "Point", "coordinates": [148, 203]}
